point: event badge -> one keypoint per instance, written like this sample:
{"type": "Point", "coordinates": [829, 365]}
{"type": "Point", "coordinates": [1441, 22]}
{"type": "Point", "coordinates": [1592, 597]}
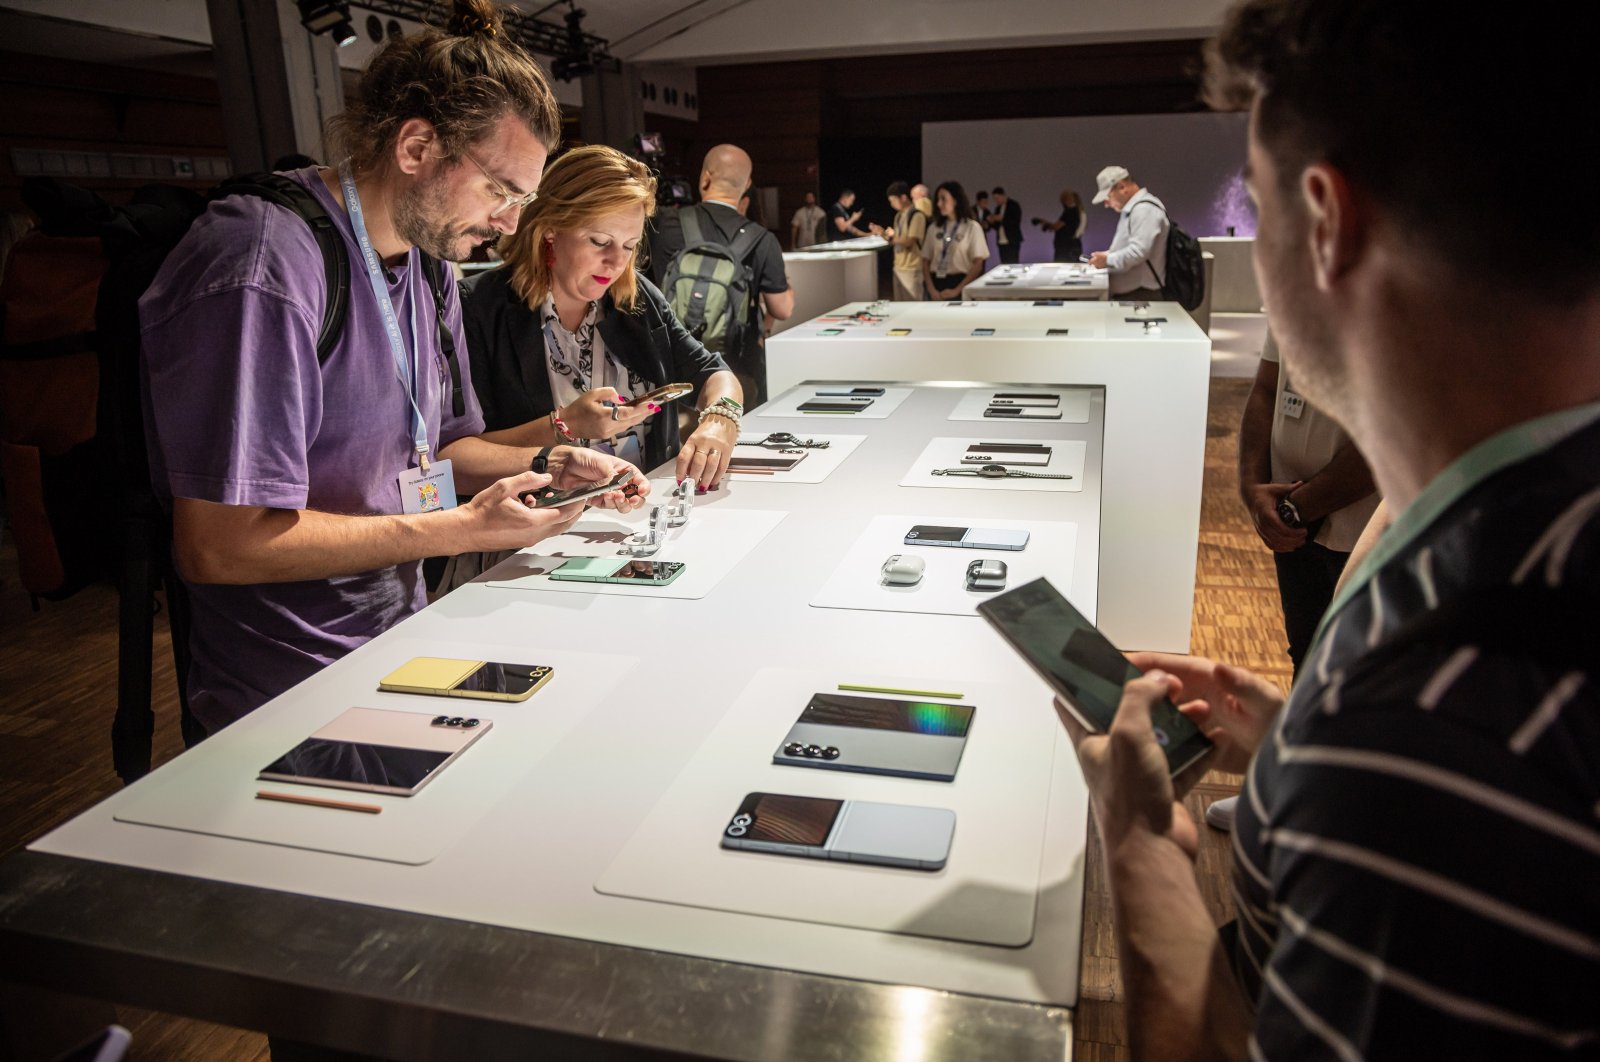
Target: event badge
{"type": "Point", "coordinates": [430, 491]}
{"type": "Point", "coordinates": [1293, 405]}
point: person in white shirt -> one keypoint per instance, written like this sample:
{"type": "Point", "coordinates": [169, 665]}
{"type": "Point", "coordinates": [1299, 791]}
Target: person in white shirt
{"type": "Point", "coordinates": [954, 251]}
{"type": "Point", "coordinates": [803, 228]}
{"type": "Point", "coordinates": [1137, 258]}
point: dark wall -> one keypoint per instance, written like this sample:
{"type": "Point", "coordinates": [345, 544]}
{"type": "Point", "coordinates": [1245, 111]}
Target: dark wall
{"type": "Point", "coordinates": [818, 125]}
{"type": "Point", "coordinates": [58, 103]}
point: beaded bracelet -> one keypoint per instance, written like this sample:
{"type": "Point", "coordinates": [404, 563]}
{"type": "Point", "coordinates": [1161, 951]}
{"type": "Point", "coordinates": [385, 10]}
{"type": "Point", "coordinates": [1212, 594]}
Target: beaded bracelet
{"type": "Point", "coordinates": [719, 411]}
{"type": "Point", "coordinates": [559, 426]}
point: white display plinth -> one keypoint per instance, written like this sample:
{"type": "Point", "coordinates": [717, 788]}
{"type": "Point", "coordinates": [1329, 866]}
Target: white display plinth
{"type": "Point", "coordinates": [823, 279]}
{"type": "Point", "coordinates": [1040, 280]}
{"type": "Point", "coordinates": [1157, 382]}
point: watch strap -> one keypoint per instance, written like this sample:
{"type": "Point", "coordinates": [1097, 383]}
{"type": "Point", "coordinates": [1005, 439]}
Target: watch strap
{"type": "Point", "coordinates": [541, 461]}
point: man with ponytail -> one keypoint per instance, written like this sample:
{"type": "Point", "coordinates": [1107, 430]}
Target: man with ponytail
{"type": "Point", "coordinates": [304, 477]}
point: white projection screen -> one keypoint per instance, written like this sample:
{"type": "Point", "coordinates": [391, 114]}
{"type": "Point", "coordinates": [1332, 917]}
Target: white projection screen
{"type": "Point", "coordinates": [1193, 162]}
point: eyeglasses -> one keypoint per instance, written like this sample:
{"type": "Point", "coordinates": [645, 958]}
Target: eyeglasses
{"type": "Point", "coordinates": [512, 202]}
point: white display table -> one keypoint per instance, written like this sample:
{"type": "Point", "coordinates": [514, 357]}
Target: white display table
{"type": "Point", "coordinates": [545, 802]}
{"type": "Point", "coordinates": [824, 279]}
{"type": "Point", "coordinates": [1156, 378]}
{"type": "Point", "coordinates": [1040, 280]}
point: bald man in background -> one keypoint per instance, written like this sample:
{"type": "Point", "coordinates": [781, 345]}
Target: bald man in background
{"type": "Point", "coordinates": [724, 180]}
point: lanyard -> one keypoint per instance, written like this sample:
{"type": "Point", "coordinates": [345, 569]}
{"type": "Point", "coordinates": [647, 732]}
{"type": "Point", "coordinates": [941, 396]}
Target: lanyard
{"type": "Point", "coordinates": [947, 235]}
{"type": "Point", "coordinates": [405, 366]}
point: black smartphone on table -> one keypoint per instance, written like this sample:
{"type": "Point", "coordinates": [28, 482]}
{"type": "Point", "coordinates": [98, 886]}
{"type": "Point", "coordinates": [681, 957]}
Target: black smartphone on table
{"type": "Point", "coordinates": [1078, 662]}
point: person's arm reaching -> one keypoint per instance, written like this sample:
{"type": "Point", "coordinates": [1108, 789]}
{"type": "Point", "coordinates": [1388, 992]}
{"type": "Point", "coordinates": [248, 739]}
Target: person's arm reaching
{"type": "Point", "coordinates": [238, 544]}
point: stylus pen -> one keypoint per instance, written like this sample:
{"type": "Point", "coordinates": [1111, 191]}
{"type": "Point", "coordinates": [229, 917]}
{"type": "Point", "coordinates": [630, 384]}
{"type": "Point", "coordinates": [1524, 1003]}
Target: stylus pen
{"type": "Point", "coordinates": [942, 694]}
{"type": "Point", "coordinates": [319, 802]}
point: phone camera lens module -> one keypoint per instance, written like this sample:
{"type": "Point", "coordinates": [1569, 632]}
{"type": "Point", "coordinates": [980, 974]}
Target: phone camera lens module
{"type": "Point", "coordinates": [813, 751]}
{"type": "Point", "coordinates": [469, 723]}
{"type": "Point", "coordinates": [736, 830]}
{"type": "Point", "coordinates": [742, 820]}
{"type": "Point", "coordinates": [794, 748]}
{"type": "Point", "coordinates": [830, 753]}
{"type": "Point", "coordinates": [455, 720]}
{"type": "Point", "coordinates": [441, 720]}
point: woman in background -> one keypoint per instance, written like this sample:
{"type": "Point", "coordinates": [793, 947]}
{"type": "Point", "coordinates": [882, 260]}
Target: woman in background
{"type": "Point", "coordinates": [1068, 228]}
{"type": "Point", "coordinates": [954, 251]}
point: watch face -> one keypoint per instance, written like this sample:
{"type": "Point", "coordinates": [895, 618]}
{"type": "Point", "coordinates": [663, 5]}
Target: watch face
{"type": "Point", "coordinates": [993, 472]}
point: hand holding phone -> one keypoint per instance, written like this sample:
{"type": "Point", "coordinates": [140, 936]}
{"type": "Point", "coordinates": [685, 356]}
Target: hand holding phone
{"type": "Point", "coordinates": [551, 497]}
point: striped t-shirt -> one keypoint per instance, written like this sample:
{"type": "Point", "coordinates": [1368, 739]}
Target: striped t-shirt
{"type": "Point", "coordinates": [1417, 851]}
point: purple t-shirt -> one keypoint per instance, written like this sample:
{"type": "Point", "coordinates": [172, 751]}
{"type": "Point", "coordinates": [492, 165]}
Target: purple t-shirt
{"type": "Point", "coordinates": [239, 412]}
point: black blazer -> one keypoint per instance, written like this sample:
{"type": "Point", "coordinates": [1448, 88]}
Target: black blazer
{"type": "Point", "coordinates": [510, 373]}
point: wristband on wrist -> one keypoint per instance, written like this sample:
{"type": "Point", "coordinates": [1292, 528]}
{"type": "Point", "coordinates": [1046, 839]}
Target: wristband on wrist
{"type": "Point", "coordinates": [541, 461]}
{"type": "Point", "coordinates": [559, 426]}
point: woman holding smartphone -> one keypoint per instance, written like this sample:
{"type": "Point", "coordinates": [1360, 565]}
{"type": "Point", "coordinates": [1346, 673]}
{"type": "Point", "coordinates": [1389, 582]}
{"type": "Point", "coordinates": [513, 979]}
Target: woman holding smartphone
{"type": "Point", "coordinates": [570, 345]}
{"type": "Point", "coordinates": [954, 250]}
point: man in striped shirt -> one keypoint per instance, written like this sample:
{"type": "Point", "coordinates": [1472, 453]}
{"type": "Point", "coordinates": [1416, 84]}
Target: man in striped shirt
{"type": "Point", "coordinates": [1417, 851]}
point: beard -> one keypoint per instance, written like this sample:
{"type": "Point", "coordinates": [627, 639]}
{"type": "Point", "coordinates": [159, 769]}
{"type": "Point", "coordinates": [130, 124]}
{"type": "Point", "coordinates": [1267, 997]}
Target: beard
{"type": "Point", "coordinates": [422, 219]}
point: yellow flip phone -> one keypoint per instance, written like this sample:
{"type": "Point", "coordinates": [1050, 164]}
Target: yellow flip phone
{"type": "Point", "coordinates": [482, 679]}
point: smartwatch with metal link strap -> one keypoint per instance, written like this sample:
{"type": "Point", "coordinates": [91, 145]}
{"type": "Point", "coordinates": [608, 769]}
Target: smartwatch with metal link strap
{"type": "Point", "coordinates": [997, 472]}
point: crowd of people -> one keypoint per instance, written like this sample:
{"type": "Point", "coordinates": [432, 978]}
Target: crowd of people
{"type": "Point", "coordinates": [1416, 846]}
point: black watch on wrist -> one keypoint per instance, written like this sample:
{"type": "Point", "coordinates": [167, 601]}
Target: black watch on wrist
{"type": "Point", "coordinates": [541, 461]}
{"type": "Point", "coordinates": [1288, 512]}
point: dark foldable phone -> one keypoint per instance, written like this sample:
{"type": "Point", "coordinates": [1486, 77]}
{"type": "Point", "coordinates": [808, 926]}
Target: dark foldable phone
{"type": "Point", "coordinates": [1081, 665]}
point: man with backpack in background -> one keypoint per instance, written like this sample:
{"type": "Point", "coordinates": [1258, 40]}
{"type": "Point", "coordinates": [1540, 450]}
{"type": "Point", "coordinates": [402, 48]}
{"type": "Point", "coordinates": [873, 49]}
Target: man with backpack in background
{"type": "Point", "coordinates": [311, 463]}
{"type": "Point", "coordinates": [1137, 258]}
{"type": "Point", "coordinates": [721, 271]}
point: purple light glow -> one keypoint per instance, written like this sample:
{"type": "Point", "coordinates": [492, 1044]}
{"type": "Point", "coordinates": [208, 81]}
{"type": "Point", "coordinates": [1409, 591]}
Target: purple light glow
{"type": "Point", "coordinates": [1233, 209]}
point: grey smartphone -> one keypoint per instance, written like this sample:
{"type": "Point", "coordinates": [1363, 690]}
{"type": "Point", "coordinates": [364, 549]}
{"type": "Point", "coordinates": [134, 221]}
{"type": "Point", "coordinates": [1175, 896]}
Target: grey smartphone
{"type": "Point", "coordinates": [1024, 398]}
{"type": "Point", "coordinates": [966, 537]}
{"type": "Point", "coordinates": [1083, 666]}
{"type": "Point", "coordinates": [619, 570]}
{"type": "Point", "coordinates": [1022, 413]}
{"type": "Point", "coordinates": [850, 831]}
{"type": "Point", "coordinates": [850, 392]}
{"type": "Point", "coordinates": [876, 735]}
{"type": "Point", "coordinates": [764, 460]}
{"type": "Point", "coordinates": [834, 405]}
{"type": "Point", "coordinates": [548, 497]}
{"type": "Point", "coordinates": [1007, 454]}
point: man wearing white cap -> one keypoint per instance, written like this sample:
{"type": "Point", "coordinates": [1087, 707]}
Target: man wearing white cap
{"type": "Point", "coordinates": [1137, 260]}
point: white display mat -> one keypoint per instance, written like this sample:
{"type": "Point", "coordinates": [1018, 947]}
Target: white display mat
{"type": "Point", "coordinates": [817, 465]}
{"type": "Point", "coordinates": [1067, 456]}
{"type": "Point", "coordinates": [217, 796]}
{"type": "Point", "coordinates": [786, 405]}
{"type": "Point", "coordinates": [711, 544]}
{"type": "Point", "coordinates": [1074, 406]}
{"type": "Point", "coordinates": [857, 583]}
{"type": "Point", "coordinates": [985, 894]}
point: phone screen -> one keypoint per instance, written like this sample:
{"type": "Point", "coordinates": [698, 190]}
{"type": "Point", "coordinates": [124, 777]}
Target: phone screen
{"type": "Point", "coordinates": [780, 463]}
{"type": "Point", "coordinates": [871, 713]}
{"type": "Point", "coordinates": [645, 571]}
{"type": "Point", "coordinates": [503, 678]}
{"type": "Point", "coordinates": [318, 759]}
{"type": "Point", "coordinates": [1085, 668]}
{"type": "Point", "coordinates": [790, 819]}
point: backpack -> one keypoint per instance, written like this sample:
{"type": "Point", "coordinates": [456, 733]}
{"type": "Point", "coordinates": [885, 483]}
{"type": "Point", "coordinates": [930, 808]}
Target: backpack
{"type": "Point", "coordinates": [1185, 282]}
{"type": "Point", "coordinates": [710, 284]}
{"type": "Point", "coordinates": [137, 240]}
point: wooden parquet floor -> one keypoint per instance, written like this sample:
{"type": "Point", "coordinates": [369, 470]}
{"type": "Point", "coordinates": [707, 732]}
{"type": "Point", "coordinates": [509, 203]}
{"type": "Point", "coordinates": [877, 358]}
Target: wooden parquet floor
{"type": "Point", "coordinates": [58, 668]}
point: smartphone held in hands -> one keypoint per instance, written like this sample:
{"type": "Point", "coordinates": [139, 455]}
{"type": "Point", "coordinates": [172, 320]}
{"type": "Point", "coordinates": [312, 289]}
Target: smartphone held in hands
{"type": "Point", "coordinates": [1082, 666]}
{"type": "Point", "coordinates": [549, 497]}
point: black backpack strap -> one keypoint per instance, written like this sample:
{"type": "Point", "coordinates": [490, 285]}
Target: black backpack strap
{"type": "Point", "coordinates": [693, 232]}
{"type": "Point", "coordinates": [1161, 284]}
{"type": "Point", "coordinates": [432, 269]}
{"type": "Point", "coordinates": [291, 195]}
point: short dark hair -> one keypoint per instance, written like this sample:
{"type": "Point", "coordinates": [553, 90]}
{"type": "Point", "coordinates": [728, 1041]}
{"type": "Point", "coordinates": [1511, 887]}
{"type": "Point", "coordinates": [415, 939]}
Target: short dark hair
{"type": "Point", "coordinates": [998, 190]}
{"type": "Point", "coordinates": [959, 194]}
{"type": "Point", "coordinates": [1438, 128]}
{"type": "Point", "coordinates": [983, 193]}
{"type": "Point", "coordinates": [898, 188]}
{"type": "Point", "coordinates": [844, 192]}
